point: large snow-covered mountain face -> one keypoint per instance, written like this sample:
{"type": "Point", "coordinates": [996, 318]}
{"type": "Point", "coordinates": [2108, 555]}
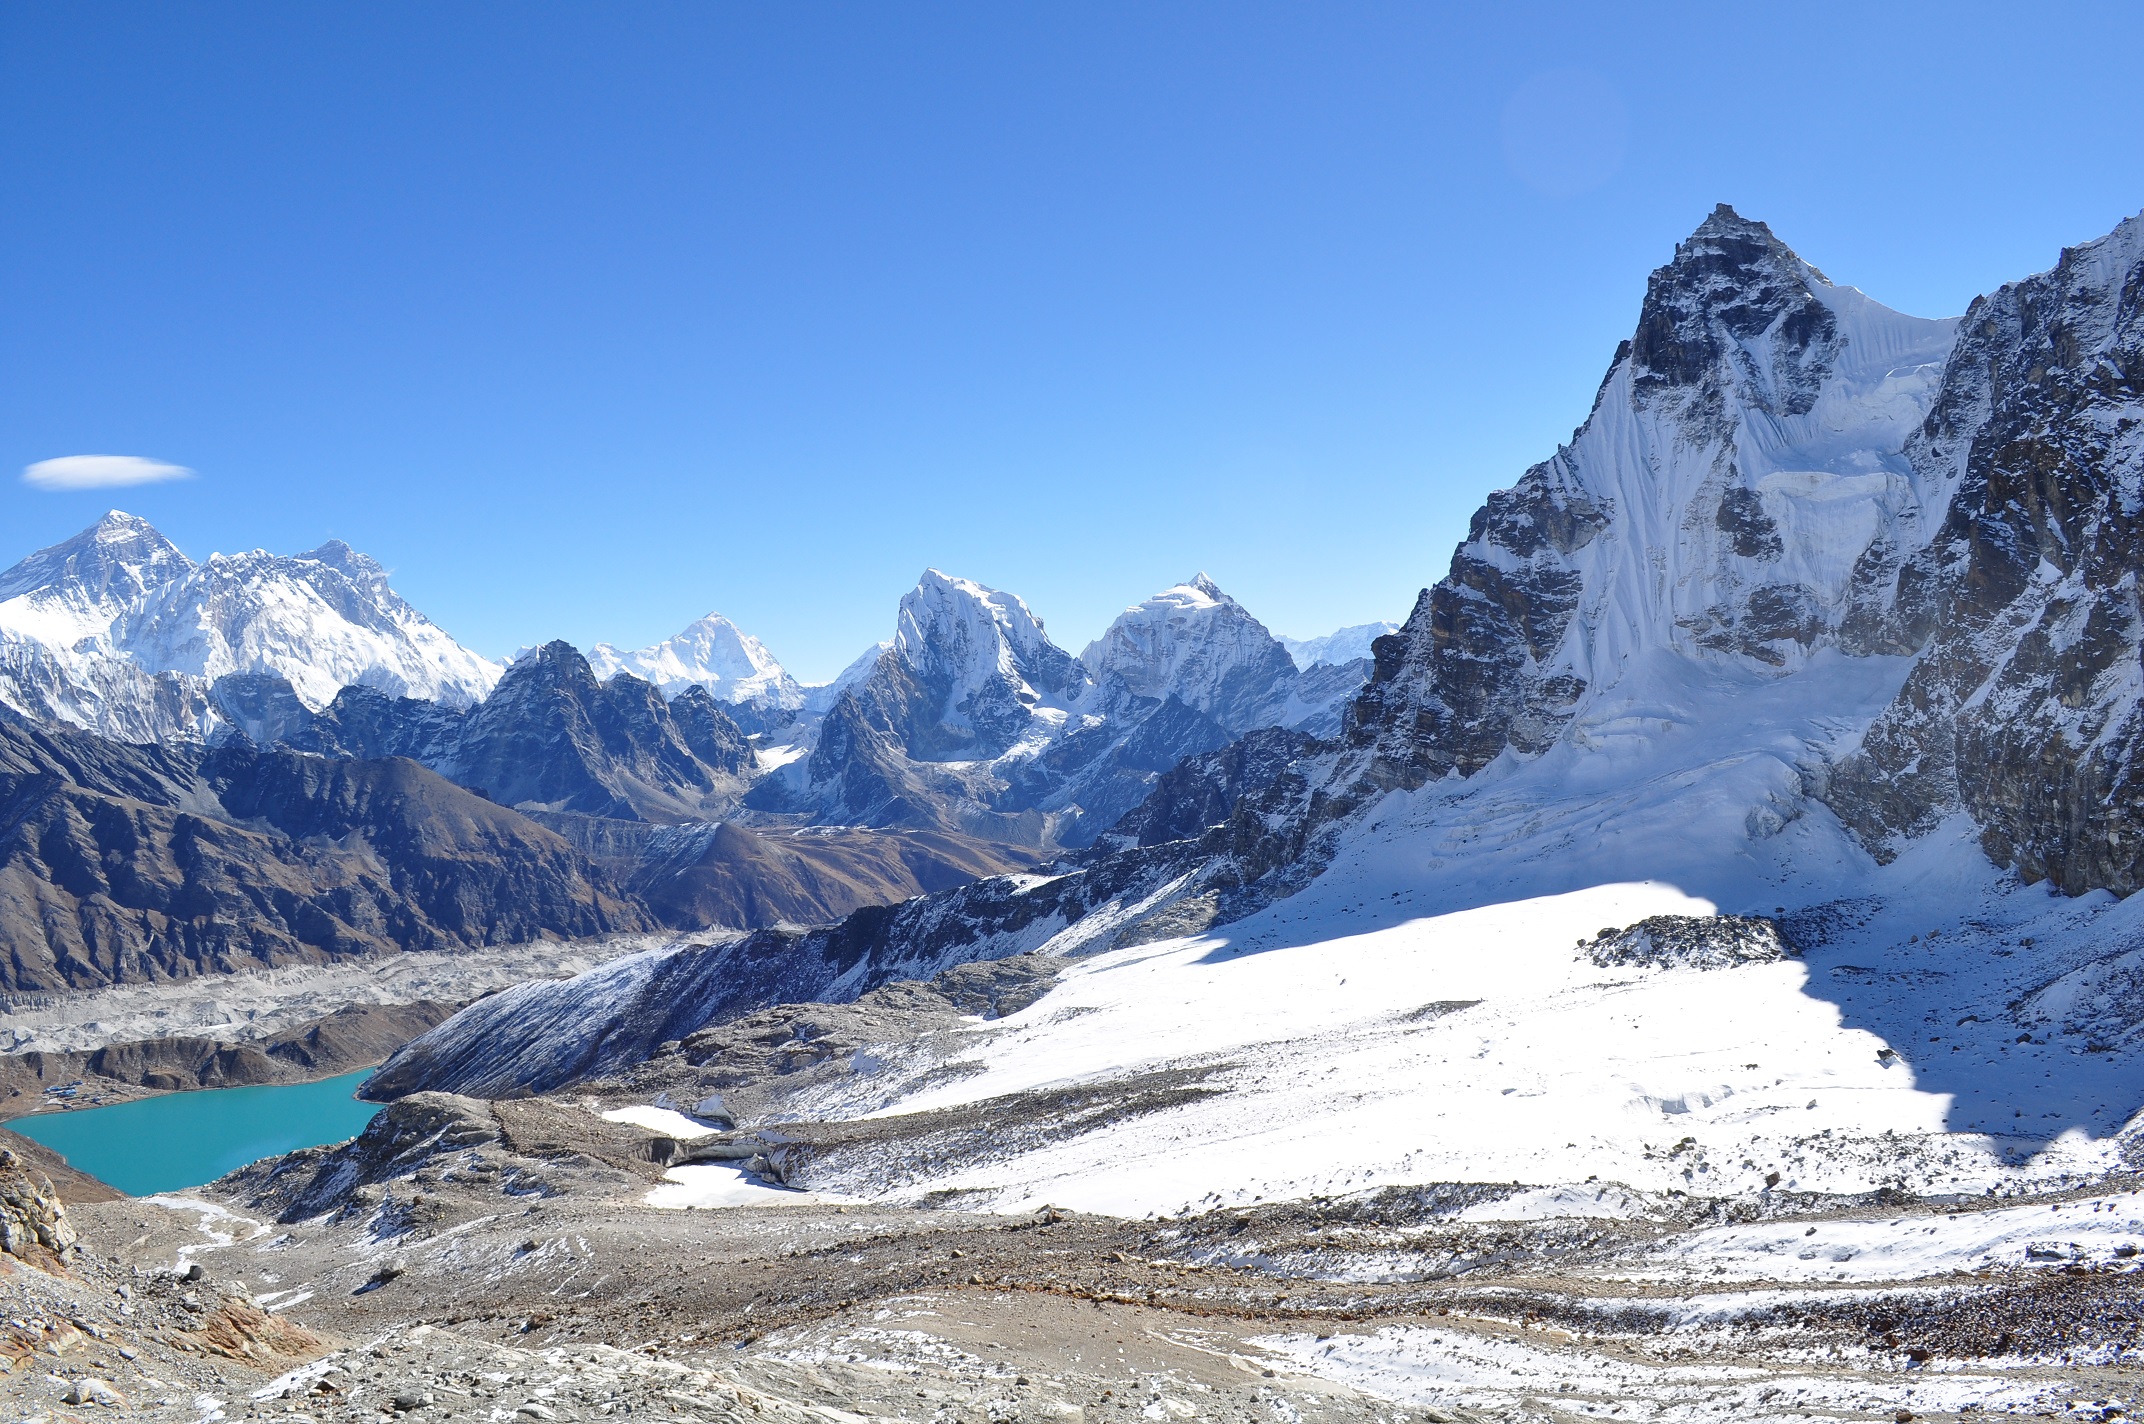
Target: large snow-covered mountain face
{"type": "Point", "coordinates": [1743, 466]}
{"type": "Point", "coordinates": [78, 589]}
{"type": "Point", "coordinates": [715, 654]}
{"type": "Point", "coordinates": [1196, 644]}
{"type": "Point", "coordinates": [972, 718]}
{"type": "Point", "coordinates": [972, 669]}
{"type": "Point", "coordinates": [117, 631]}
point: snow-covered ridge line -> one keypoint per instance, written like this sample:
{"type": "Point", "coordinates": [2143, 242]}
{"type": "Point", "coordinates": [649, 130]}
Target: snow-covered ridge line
{"type": "Point", "coordinates": [116, 630]}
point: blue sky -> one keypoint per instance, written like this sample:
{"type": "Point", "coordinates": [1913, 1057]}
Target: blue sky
{"type": "Point", "coordinates": [588, 319]}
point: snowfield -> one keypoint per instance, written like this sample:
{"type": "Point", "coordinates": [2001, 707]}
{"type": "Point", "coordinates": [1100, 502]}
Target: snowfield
{"type": "Point", "coordinates": [1422, 1012]}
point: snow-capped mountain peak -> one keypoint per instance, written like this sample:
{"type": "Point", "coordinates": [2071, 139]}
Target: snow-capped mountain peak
{"type": "Point", "coordinates": [321, 623]}
{"type": "Point", "coordinates": [1743, 470]}
{"type": "Point", "coordinates": [74, 589]}
{"type": "Point", "coordinates": [1195, 643]}
{"type": "Point", "coordinates": [361, 569]}
{"type": "Point", "coordinates": [970, 637]}
{"type": "Point", "coordinates": [711, 652]}
{"type": "Point", "coordinates": [117, 630]}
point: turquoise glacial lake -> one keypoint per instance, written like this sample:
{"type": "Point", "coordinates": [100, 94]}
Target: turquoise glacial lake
{"type": "Point", "coordinates": [178, 1140]}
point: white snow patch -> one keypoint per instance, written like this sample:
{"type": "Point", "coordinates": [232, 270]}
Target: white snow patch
{"type": "Point", "coordinates": [668, 1121]}
{"type": "Point", "coordinates": [715, 1184]}
{"type": "Point", "coordinates": [2099, 1230]}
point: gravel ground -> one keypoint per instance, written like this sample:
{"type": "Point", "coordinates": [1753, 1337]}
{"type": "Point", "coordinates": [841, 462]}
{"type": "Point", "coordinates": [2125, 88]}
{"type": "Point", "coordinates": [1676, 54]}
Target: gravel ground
{"type": "Point", "coordinates": [499, 1262]}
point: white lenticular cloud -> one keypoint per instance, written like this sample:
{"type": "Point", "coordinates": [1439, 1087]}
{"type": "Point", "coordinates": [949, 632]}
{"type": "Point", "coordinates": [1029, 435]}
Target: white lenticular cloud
{"type": "Point", "coordinates": [80, 472]}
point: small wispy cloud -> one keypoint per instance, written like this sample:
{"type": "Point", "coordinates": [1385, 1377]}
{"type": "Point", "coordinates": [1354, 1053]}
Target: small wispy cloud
{"type": "Point", "coordinates": [80, 472]}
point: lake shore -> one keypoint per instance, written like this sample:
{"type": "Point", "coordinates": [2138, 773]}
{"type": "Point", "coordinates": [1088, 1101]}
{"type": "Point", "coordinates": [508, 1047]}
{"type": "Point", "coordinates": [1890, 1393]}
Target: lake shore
{"type": "Point", "coordinates": [177, 1141]}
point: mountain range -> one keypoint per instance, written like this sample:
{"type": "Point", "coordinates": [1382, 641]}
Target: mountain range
{"type": "Point", "coordinates": [1692, 965]}
{"type": "Point", "coordinates": [968, 744]}
{"type": "Point", "coordinates": [1825, 570]}
{"type": "Point", "coordinates": [1825, 613]}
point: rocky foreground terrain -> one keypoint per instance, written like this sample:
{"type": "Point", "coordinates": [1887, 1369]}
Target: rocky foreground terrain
{"type": "Point", "coordinates": [506, 1262]}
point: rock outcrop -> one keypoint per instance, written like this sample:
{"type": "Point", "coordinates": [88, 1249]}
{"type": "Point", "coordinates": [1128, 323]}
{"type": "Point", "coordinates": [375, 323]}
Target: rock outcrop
{"type": "Point", "coordinates": [1691, 942]}
{"type": "Point", "coordinates": [33, 1224]}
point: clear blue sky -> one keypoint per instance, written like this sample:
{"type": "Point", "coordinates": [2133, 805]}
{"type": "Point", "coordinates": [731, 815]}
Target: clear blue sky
{"type": "Point", "coordinates": [588, 319]}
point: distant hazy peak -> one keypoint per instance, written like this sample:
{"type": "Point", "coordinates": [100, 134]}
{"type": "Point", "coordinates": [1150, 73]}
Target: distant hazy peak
{"type": "Point", "coordinates": [710, 653]}
{"type": "Point", "coordinates": [1342, 645]}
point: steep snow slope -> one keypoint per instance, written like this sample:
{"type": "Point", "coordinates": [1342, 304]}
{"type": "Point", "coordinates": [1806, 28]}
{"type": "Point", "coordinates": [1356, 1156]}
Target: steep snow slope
{"type": "Point", "coordinates": [77, 589]}
{"type": "Point", "coordinates": [1424, 1011]}
{"type": "Point", "coordinates": [1744, 452]}
{"type": "Point", "coordinates": [117, 631]}
{"type": "Point", "coordinates": [713, 653]}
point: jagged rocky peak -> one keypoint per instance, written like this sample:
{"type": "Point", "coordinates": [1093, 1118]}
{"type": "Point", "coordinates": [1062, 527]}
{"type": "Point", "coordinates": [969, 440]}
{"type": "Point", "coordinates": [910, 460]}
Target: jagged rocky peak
{"type": "Point", "coordinates": [711, 653]}
{"type": "Point", "coordinates": [964, 676]}
{"type": "Point", "coordinates": [1196, 644]}
{"type": "Point", "coordinates": [972, 717]}
{"type": "Point", "coordinates": [1743, 463]}
{"type": "Point", "coordinates": [553, 737]}
{"type": "Point", "coordinates": [1732, 286]}
{"type": "Point", "coordinates": [2023, 706]}
{"type": "Point", "coordinates": [980, 640]}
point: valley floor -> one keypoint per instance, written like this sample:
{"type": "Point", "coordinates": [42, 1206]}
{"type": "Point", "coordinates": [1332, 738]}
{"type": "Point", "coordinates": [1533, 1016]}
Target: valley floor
{"type": "Point", "coordinates": [441, 1298]}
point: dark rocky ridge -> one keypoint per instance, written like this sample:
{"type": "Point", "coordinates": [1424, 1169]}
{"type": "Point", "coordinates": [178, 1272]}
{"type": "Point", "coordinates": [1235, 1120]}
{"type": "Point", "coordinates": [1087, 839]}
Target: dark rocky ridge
{"type": "Point", "coordinates": [534, 1038]}
{"type": "Point", "coordinates": [2023, 707]}
{"type": "Point", "coordinates": [1201, 791]}
{"type": "Point", "coordinates": [743, 877]}
{"type": "Point", "coordinates": [550, 737]}
{"type": "Point", "coordinates": [124, 863]}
